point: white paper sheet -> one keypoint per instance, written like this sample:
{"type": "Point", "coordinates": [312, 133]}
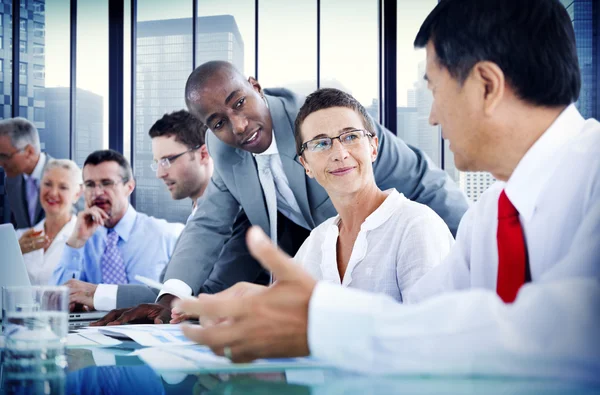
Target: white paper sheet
{"type": "Point", "coordinates": [146, 335]}
{"type": "Point", "coordinates": [200, 358]}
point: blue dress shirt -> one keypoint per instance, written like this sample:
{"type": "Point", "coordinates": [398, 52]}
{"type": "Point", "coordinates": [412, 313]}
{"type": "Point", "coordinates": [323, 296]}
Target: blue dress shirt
{"type": "Point", "coordinates": [145, 242]}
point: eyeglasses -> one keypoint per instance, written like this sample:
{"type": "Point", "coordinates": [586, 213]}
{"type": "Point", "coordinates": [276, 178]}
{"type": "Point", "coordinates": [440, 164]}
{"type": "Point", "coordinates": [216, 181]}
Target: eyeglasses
{"type": "Point", "coordinates": [325, 143]}
{"type": "Point", "coordinates": [165, 163]}
{"type": "Point", "coordinates": [5, 157]}
{"type": "Point", "coordinates": [104, 185]}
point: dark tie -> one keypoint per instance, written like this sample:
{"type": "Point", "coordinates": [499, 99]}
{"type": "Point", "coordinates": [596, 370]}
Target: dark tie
{"type": "Point", "coordinates": [512, 252]}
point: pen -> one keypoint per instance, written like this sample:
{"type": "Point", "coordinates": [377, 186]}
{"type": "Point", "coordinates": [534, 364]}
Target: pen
{"type": "Point", "coordinates": [161, 287]}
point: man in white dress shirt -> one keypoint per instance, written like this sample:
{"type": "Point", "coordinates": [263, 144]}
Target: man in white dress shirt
{"type": "Point", "coordinates": [504, 102]}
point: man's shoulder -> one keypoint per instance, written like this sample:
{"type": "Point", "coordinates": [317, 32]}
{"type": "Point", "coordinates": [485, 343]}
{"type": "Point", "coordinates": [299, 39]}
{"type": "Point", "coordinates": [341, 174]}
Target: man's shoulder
{"type": "Point", "coordinates": [159, 225]}
{"type": "Point", "coordinates": [291, 101]}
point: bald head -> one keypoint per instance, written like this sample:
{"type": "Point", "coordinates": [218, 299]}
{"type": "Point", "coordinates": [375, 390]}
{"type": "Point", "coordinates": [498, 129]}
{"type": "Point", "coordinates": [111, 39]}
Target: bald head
{"type": "Point", "coordinates": [206, 72]}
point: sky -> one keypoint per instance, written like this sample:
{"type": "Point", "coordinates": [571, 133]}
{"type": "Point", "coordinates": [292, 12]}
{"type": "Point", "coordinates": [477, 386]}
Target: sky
{"type": "Point", "coordinates": [287, 42]}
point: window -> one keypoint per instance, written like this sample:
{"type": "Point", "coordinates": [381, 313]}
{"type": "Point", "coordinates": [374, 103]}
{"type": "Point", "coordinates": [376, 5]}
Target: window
{"type": "Point", "coordinates": [1, 72]}
{"type": "Point", "coordinates": [38, 50]}
{"type": "Point", "coordinates": [39, 30]}
{"type": "Point", "coordinates": [23, 46]}
{"type": "Point", "coordinates": [23, 26]}
{"type": "Point", "coordinates": [288, 60]}
{"type": "Point", "coordinates": [1, 42]}
{"type": "Point", "coordinates": [50, 84]}
{"type": "Point", "coordinates": [38, 114]}
{"type": "Point", "coordinates": [22, 90]}
{"type": "Point", "coordinates": [39, 71]}
{"type": "Point", "coordinates": [350, 49]}
{"type": "Point", "coordinates": [23, 111]}
{"type": "Point", "coordinates": [39, 93]}
{"type": "Point", "coordinates": [39, 8]}
{"type": "Point", "coordinates": [163, 64]}
{"type": "Point", "coordinates": [413, 98]}
{"type": "Point", "coordinates": [92, 78]}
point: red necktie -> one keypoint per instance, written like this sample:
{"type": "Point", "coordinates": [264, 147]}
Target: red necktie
{"type": "Point", "coordinates": [512, 253]}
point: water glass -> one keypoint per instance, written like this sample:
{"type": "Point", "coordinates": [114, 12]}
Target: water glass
{"type": "Point", "coordinates": [35, 323]}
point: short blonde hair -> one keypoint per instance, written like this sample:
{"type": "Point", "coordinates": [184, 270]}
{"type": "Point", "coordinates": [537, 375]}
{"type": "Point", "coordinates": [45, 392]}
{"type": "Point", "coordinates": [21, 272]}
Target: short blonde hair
{"type": "Point", "coordinates": [67, 164]}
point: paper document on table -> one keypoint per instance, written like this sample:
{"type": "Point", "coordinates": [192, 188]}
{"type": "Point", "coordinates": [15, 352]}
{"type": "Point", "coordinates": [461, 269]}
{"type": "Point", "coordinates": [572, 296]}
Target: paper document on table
{"type": "Point", "coordinates": [90, 340]}
{"type": "Point", "coordinates": [200, 358]}
{"type": "Point", "coordinates": [146, 335]}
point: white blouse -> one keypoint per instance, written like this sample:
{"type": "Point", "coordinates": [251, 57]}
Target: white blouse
{"type": "Point", "coordinates": [397, 244]}
{"type": "Point", "coordinates": [40, 264]}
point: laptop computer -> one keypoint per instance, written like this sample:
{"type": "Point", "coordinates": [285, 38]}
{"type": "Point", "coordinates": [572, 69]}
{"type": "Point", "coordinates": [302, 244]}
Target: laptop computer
{"type": "Point", "coordinates": [14, 273]}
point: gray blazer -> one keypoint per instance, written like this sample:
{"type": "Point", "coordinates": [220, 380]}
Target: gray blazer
{"type": "Point", "coordinates": [234, 192]}
{"type": "Point", "coordinates": [17, 201]}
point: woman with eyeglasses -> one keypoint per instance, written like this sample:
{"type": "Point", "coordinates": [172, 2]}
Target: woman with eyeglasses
{"type": "Point", "coordinates": [42, 245]}
{"type": "Point", "coordinates": [380, 241]}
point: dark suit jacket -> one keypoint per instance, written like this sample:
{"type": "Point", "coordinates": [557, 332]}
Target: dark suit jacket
{"type": "Point", "coordinates": [17, 201]}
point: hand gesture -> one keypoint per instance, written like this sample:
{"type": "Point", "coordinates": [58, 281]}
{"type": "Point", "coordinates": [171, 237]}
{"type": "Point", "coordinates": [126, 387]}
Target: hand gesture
{"type": "Point", "coordinates": [87, 222]}
{"type": "Point", "coordinates": [33, 240]}
{"type": "Point", "coordinates": [267, 323]}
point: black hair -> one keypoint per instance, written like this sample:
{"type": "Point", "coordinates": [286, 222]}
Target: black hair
{"type": "Point", "coordinates": [532, 41]}
{"type": "Point", "coordinates": [108, 155]}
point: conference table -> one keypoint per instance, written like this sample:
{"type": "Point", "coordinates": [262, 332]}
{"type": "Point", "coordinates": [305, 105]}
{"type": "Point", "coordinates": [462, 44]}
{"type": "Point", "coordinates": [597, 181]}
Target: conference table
{"type": "Point", "coordinates": [117, 370]}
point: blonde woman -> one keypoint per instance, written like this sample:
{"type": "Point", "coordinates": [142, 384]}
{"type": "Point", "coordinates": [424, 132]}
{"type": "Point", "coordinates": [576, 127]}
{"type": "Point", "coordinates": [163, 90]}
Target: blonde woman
{"type": "Point", "coordinates": [42, 245]}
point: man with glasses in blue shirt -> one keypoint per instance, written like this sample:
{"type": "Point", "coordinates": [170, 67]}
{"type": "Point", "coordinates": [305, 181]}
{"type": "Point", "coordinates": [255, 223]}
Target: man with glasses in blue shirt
{"type": "Point", "coordinates": [112, 242]}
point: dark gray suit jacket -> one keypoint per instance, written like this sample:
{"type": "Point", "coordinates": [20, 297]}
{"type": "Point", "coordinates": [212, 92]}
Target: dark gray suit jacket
{"type": "Point", "coordinates": [234, 192]}
{"type": "Point", "coordinates": [17, 201]}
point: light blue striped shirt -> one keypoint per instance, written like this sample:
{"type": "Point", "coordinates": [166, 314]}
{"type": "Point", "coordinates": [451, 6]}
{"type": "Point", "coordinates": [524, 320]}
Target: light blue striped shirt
{"type": "Point", "coordinates": [146, 243]}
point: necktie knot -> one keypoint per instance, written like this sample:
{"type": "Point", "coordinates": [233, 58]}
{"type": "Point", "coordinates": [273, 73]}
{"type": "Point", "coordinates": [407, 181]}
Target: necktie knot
{"type": "Point", "coordinates": [505, 208]}
{"type": "Point", "coordinates": [112, 237]}
{"type": "Point", "coordinates": [263, 162]}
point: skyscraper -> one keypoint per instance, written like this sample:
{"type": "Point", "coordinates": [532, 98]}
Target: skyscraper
{"type": "Point", "coordinates": [473, 184]}
{"type": "Point", "coordinates": [87, 136]}
{"type": "Point", "coordinates": [407, 120]}
{"type": "Point", "coordinates": [428, 137]}
{"type": "Point", "coordinates": [163, 64]}
{"type": "Point", "coordinates": [31, 63]}
{"type": "Point", "coordinates": [585, 15]}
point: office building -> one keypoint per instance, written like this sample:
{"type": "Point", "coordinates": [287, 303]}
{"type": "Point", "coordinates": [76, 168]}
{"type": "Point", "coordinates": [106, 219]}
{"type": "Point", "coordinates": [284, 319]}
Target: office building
{"type": "Point", "coordinates": [163, 64]}
{"type": "Point", "coordinates": [31, 63]}
{"type": "Point", "coordinates": [88, 124]}
{"type": "Point", "coordinates": [585, 15]}
{"type": "Point", "coordinates": [473, 184]}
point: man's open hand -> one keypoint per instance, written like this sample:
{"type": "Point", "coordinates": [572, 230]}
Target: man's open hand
{"type": "Point", "coordinates": [269, 323]}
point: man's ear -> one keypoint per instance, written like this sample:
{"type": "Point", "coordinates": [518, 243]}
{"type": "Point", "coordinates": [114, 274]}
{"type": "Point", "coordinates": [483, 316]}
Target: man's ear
{"type": "Point", "coordinates": [29, 150]}
{"type": "Point", "coordinates": [130, 185]}
{"type": "Point", "coordinates": [491, 77]}
{"type": "Point", "coordinates": [204, 155]}
{"type": "Point", "coordinates": [255, 85]}
{"type": "Point", "coordinates": [306, 166]}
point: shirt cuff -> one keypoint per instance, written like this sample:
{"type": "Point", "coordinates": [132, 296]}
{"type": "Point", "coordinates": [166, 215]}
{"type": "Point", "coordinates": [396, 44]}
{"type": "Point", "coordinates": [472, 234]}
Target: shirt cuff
{"type": "Point", "coordinates": [72, 258]}
{"type": "Point", "coordinates": [340, 324]}
{"type": "Point", "coordinates": [176, 288]}
{"type": "Point", "coordinates": [105, 297]}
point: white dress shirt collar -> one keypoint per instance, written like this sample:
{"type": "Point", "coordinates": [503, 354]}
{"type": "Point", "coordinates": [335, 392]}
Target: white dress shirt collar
{"type": "Point", "coordinates": [531, 174]}
{"type": "Point", "coordinates": [125, 225]}
{"type": "Point", "coordinates": [272, 150]}
{"type": "Point", "coordinates": [39, 168]}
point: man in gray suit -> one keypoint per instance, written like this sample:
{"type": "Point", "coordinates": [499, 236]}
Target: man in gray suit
{"type": "Point", "coordinates": [245, 121]}
{"type": "Point", "coordinates": [24, 164]}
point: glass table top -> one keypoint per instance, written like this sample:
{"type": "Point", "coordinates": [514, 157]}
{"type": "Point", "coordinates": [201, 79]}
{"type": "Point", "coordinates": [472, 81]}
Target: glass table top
{"type": "Point", "coordinates": [115, 371]}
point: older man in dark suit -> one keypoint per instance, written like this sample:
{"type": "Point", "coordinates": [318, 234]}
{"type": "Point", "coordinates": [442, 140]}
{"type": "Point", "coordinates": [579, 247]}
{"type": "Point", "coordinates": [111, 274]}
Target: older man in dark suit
{"type": "Point", "coordinates": [23, 163]}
